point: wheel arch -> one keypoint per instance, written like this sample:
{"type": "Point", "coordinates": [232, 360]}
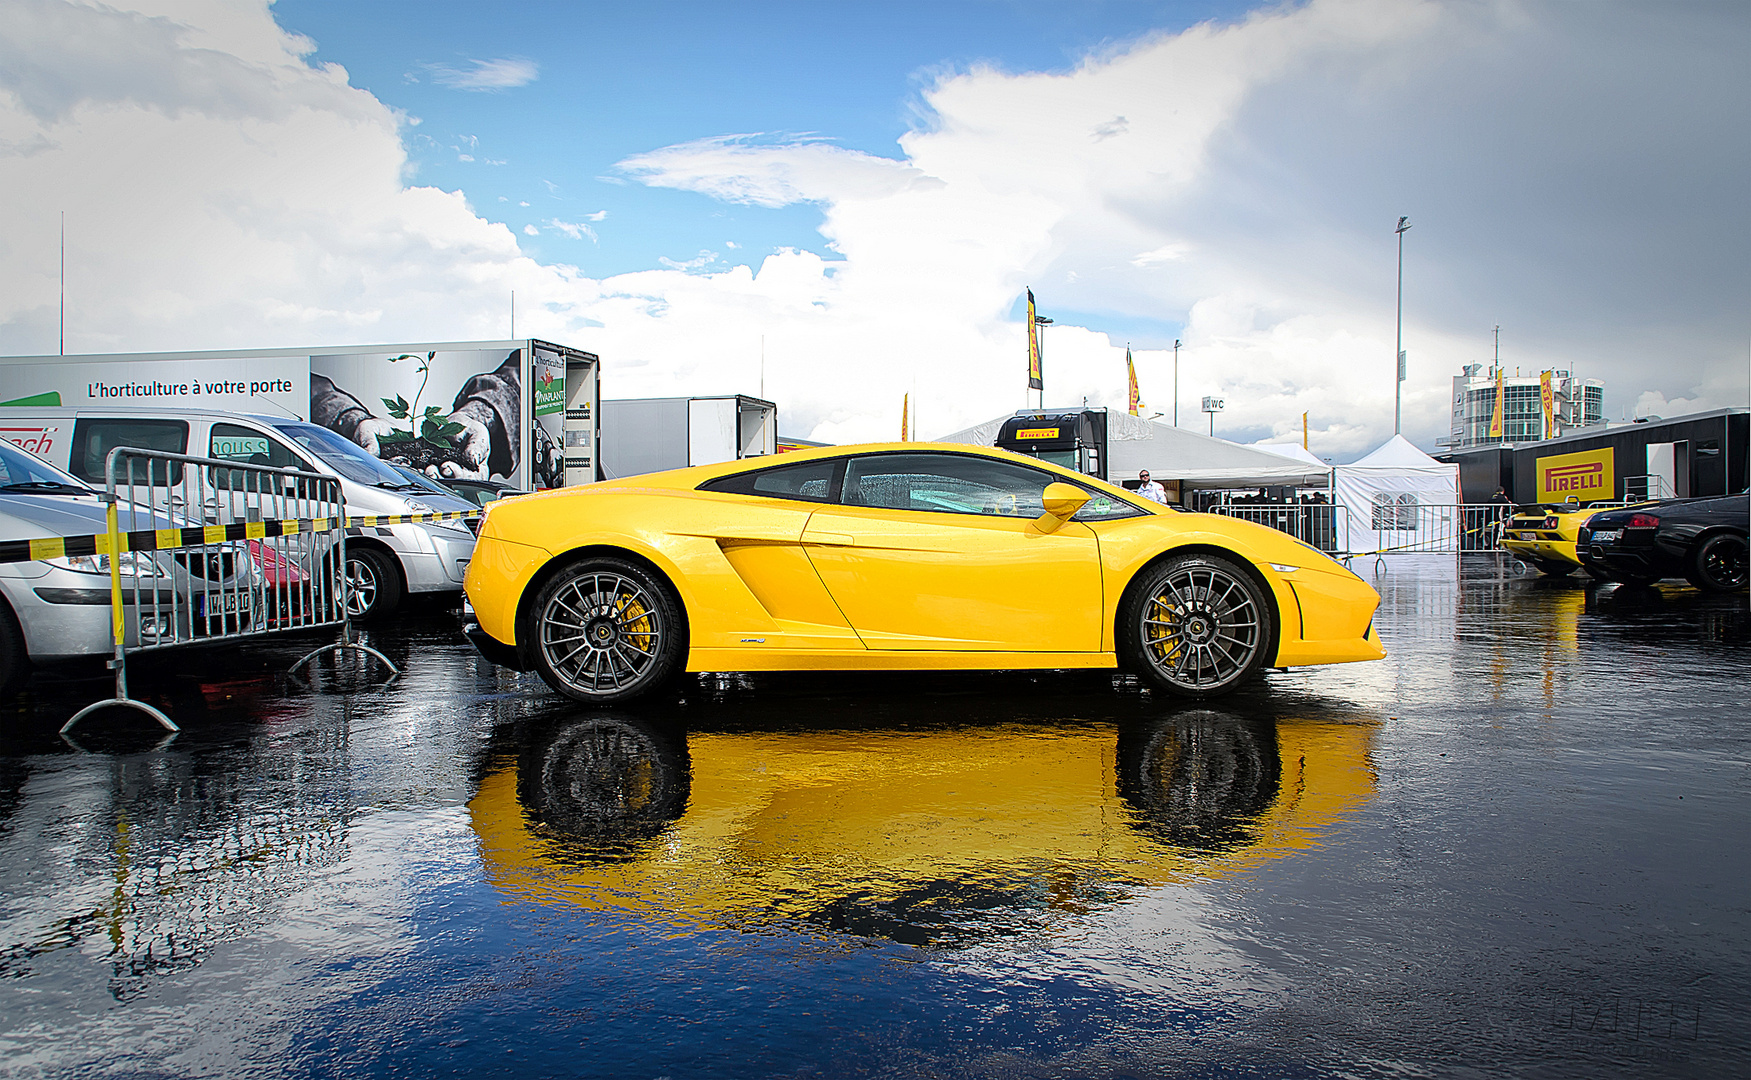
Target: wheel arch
{"type": "Point", "coordinates": [572, 556]}
{"type": "Point", "coordinates": [1228, 555]}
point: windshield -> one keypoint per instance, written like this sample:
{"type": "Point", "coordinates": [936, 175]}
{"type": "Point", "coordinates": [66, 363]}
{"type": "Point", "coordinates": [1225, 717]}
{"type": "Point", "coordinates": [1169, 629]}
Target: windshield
{"type": "Point", "coordinates": [20, 471]}
{"type": "Point", "coordinates": [348, 459]}
{"type": "Point", "coordinates": [422, 481]}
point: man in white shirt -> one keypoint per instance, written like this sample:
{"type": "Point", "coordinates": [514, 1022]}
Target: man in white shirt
{"type": "Point", "coordinates": [1149, 489]}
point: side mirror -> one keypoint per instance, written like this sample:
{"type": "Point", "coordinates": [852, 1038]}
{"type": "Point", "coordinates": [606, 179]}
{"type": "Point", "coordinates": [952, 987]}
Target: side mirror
{"type": "Point", "coordinates": [1061, 502]}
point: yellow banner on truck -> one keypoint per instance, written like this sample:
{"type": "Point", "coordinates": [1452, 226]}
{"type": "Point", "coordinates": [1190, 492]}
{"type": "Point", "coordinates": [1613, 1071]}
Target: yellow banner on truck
{"type": "Point", "coordinates": [1585, 476]}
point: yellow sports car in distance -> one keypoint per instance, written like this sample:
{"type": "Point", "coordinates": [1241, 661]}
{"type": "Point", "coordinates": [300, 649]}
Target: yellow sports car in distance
{"type": "Point", "coordinates": [1542, 535]}
{"type": "Point", "coordinates": [901, 556]}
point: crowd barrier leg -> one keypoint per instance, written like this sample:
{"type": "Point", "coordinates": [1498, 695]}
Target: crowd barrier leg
{"type": "Point", "coordinates": [118, 630]}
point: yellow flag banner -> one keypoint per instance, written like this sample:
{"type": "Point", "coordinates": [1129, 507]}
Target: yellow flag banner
{"type": "Point", "coordinates": [1132, 397]}
{"type": "Point", "coordinates": [1496, 413]}
{"type": "Point", "coordinates": [905, 418]}
{"type": "Point", "coordinates": [1036, 379]}
{"type": "Point", "coordinates": [1548, 394]}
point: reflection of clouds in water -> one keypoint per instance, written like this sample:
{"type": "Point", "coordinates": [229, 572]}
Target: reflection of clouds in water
{"type": "Point", "coordinates": [226, 894]}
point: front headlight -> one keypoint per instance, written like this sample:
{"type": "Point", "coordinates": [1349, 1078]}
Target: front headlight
{"type": "Point", "coordinates": [133, 564]}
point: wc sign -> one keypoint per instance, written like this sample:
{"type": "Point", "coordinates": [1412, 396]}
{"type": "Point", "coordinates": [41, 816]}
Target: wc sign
{"type": "Point", "coordinates": [1585, 476]}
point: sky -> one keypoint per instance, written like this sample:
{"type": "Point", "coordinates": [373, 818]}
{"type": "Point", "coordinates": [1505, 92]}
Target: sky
{"type": "Point", "coordinates": [836, 205]}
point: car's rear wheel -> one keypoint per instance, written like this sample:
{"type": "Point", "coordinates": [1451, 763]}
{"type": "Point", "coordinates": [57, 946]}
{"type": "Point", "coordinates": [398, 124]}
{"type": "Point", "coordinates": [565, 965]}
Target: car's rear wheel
{"type": "Point", "coordinates": [1195, 625]}
{"type": "Point", "coordinates": [605, 630]}
{"type": "Point", "coordinates": [1718, 563]}
{"type": "Point", "coordinates": [14, 658]}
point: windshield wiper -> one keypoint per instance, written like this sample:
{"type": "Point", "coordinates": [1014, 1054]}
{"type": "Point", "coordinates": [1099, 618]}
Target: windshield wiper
{"type": "Point", "coordinates": [409, 486]}
{"type": "Point", "coordinates": [47, 485]}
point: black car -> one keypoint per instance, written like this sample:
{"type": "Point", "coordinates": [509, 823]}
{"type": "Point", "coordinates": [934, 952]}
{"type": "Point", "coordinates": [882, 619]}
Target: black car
{"type": "Point", "coordinates": [1702, 540]}
{"type": "Point", "coordinates": [480, 492]}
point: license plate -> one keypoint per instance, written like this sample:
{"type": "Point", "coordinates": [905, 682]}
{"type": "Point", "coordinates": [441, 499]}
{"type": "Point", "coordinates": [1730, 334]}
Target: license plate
{"type": "Point", "coordinates": [208, 605]}
{"type": "Point", "coordinates": [1528, 536]}
{"type": "Point", "coordinates": [1604, 536]}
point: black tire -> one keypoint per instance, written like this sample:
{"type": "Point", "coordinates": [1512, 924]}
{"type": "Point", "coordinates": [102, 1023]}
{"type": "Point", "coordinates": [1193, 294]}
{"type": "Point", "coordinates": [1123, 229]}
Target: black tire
{"type": "Point", "coordinates": [605, 630]}
{"type": "Point", "coordinates": [1596, 573]}
{"type": "Point", "coordinates": [14, 658]}
{"type": "Point", "coordinates": [1718, 564]}
{"type": "Point", "coordinates": [606, 784]}
{"type": "Point", "coordinates": [1200, 779]}
{"type": "Point", "coordinates": [1552, 568]}
{"type": "Point", "coordinates": [373, 584]}
{"type": "Point", "coordinates": [1196, 626]}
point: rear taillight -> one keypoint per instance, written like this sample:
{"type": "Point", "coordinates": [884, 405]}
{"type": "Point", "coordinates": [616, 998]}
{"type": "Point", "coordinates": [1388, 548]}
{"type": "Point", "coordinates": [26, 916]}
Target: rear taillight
{"type": "Point", "coordinates": [1550, 522]}
{"type": "Point", "coordinates": [1642, 521]}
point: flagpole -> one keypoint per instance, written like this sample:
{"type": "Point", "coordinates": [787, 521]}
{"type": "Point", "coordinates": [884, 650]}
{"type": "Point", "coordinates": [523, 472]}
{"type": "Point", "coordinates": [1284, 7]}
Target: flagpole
{"type": "Point", "coordinates": [1398, 384]}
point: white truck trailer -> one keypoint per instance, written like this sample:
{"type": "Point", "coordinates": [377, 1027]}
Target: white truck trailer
{"type": "Point", "coordinates": [525, 412]}
{"type": "Point", "coordinates": [643, 435]}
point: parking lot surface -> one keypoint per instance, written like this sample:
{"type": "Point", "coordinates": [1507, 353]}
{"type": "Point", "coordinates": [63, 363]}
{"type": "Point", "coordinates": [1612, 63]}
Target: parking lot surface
{"type": "Point", "coordinates": [1514, 847]}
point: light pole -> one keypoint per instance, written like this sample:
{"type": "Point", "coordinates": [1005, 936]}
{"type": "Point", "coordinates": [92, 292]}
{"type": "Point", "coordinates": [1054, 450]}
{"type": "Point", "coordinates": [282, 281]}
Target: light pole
{"type": "Point", "coordinates": [1176, 382]}
{"type": "Point", "coordinates": [1398, 385]}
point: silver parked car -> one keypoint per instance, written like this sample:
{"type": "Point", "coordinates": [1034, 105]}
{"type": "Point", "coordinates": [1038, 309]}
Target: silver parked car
{"type": "Point", "coordinates": [59, 609]}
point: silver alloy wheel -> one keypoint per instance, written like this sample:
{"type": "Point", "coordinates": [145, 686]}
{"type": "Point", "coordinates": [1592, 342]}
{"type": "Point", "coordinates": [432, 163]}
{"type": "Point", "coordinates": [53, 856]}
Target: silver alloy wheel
{"type": "Point", "coordinates": [361, 583]}
{"type": "Point", "coordinates": [601, 633]}
{"type": "Point", "coordinates": [1201, 628]}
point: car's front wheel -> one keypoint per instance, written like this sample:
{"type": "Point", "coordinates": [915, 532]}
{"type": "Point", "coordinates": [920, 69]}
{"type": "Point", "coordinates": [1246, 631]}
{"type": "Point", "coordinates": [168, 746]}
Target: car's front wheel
{"type": "Point", "coordinates": [1195, 625]}
{"type": "Point", "coordinates": [605, 630]}
{"type": "Point", "coordinates": [373, 588]}
{"type": "Point", "coordinates": [1718, 563]}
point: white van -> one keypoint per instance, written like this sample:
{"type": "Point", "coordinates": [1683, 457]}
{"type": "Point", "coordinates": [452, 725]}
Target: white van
{"type": "Point", "coordinates": [383, 562]}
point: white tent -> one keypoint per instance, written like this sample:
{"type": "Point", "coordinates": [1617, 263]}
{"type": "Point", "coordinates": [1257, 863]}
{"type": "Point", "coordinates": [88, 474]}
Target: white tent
{"type": "Point", "coordinates": [1294, 451]}
{"type": "Point", "coordinates": [1399, 499]}
{"type": "Point", "coordinates": [1177, 454]}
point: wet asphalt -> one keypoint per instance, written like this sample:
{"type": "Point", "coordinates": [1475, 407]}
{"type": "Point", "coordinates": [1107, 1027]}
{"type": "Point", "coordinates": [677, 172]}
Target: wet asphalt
{"type": "Point", "coordinates": [1516, 847]}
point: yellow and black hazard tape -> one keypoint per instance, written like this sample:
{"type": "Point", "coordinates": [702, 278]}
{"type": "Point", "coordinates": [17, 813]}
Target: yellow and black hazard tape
{"type": "Point", "coordinates": [366, 521]}
{"type": "Point", "coordinates": [60, 547]}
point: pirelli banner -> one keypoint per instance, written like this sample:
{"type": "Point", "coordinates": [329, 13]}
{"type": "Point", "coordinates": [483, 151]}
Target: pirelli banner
{"type": "Point", "coordinates": [1585, 476]}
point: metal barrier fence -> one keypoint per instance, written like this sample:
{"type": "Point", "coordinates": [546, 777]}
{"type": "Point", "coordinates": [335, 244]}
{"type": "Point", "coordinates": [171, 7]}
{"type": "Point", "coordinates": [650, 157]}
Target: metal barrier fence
{"type": "Point", "coordinates": [1323, 525]}
{"type": "Point", "coordinates": [1397, 527]}
{"type": "Point", "coordinates": [203, 550]}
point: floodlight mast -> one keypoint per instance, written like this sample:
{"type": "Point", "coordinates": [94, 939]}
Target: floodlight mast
{"type": "Point", "coordinates": [1398, 384]}
{"type": "Point", "coordinates": [1176, 382]}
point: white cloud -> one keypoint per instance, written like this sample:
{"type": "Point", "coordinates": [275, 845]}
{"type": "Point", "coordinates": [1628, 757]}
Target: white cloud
{"type": "Point", "coordinates": [500, 74]}
{"type": "Point", "coordinates": [575, 230]}
{"type": "Point", "coordinates": [740, 168]}
{"type": "Point", "coordinates": [1565, 169]}
{"type": "Point", "coordinates": [600, 215]}
{"type": "Point", "coordinates": [530, 230]}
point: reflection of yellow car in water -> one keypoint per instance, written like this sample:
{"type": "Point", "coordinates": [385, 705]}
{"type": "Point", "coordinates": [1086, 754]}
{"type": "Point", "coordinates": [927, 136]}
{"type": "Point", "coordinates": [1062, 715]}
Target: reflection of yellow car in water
{"type": "Point", "coordinates": [912, 836]}
{"type": "Point", "coordinates": [1542, 535]}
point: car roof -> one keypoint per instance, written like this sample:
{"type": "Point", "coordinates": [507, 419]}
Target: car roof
{"type": "Point", "coordinates": [693, 476]}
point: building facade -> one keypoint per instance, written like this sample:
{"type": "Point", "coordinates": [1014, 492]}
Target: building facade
{"type": "Point", "coordinates": [1575, 404]}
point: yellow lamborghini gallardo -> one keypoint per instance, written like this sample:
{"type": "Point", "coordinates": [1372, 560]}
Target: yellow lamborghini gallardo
{"type": "Point", "coordinates": [891, 557]}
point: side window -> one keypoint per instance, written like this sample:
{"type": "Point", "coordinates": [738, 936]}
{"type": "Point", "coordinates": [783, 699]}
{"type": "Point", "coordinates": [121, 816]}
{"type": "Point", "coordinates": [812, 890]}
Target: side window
{"type": "Point", "coordinates": [95, 437]}
{"type": "Point", "coordinates": [945, 484]}
{"type": "Point", "coordinates": [808, 481]}
{"type": "Point", "coordinates": [248, 446]}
